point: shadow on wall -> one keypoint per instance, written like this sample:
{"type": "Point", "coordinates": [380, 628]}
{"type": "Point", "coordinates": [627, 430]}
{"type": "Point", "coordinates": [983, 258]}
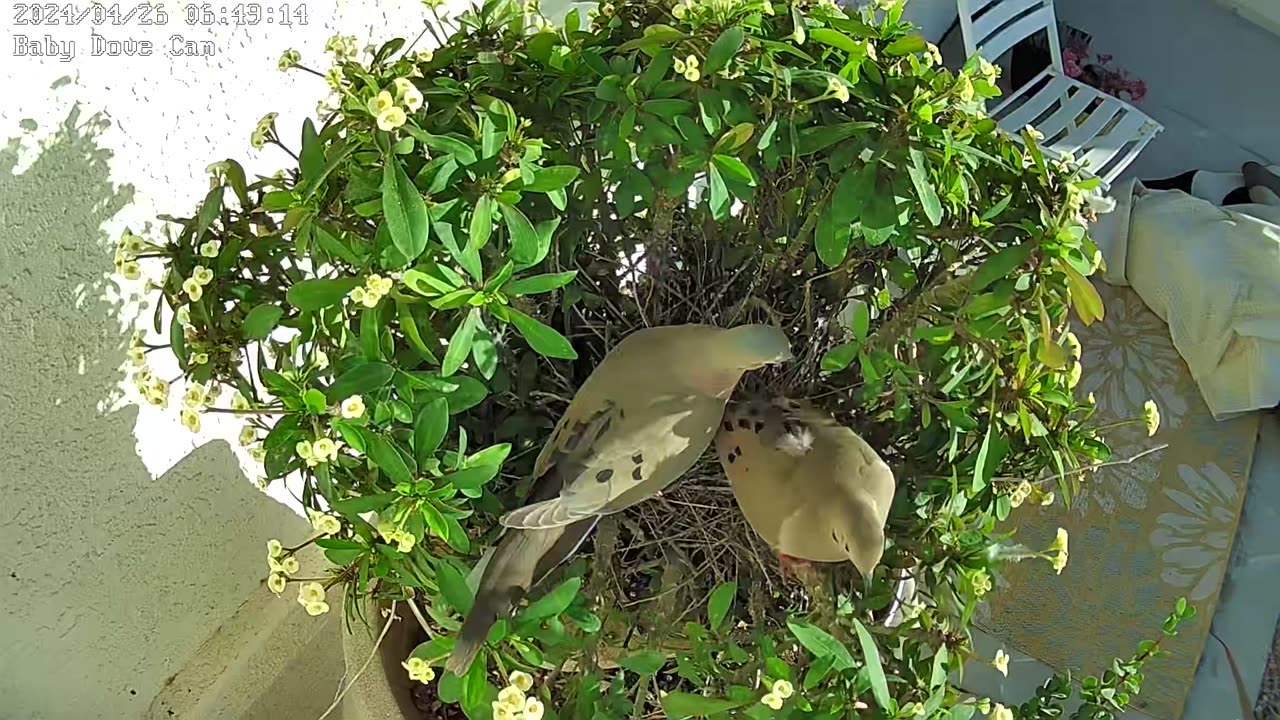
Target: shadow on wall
{"type": "Point", "coordinates": [111, 578]}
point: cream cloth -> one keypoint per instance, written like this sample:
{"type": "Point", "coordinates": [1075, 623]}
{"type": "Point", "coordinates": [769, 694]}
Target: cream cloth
{"type": "Point", "coordinates": [1213, 274]}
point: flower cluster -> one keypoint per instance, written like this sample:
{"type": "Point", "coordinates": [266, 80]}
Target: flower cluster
{"type": "Point", "coordinates": [343, 47]}
{"type": "Point", "coordinates": [1058, 551]}
{"type": "Point", "coordinates": [324, 523]}
{"type": "Point", "coordinates": [194, 285]}
{"type": "Point", "coordinates": [1151, 417]}
{"type": "Point", "coordinates": [688, 67]}
{"type": "Point", "coordinates": [311, 597]}
{"type": "Point", "coordinates": [1079, 63]}
{"type": "Point", "coordinates": [419, 670]}
{"type": "Point", "coordinates": [514, 704]}
{"type": "Point", "coordinates": [127, 250]}
{"type": "Point", "coordinates": [352, 407]}
{"type": "Point", "coordinates": [322, 450]}
{"type": "Point", "coordinates": [151, 388]}
{"type": "Point", "coordinates": [837, 89]}
{"type": "Point", "coordinates": [289, 59]}
{"type": "Point", "coordinates": [372, 292]}
{"type": "Point", "coordinates": [264, 128]}
{"type": "Point", "coordinates": [385, 109]}
{"type": "Point", "coordinates": [392, 533]}
{"type": "Point", "coordinates": [778, 694]}
{"type": "Point", "coordinates": [197, 397]}
{"type": "Point", "coordinates": [282, 566]}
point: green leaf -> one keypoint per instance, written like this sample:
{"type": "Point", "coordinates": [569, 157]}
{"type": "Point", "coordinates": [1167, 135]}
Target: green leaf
{"type": "Point", "coordinates": [685, 705]}
{"type": "Point", "coordinates": [314, 400]}
{"type": "Point", "coordinates": [311, 158]}
{"type": "Point", "coordinates": [1084, 295]}
{"type": "Point", "coordinates": [838, 40]}
{"type": "Point", "coordinates": [718, 195]}
{"type": "Point", "coordinates": [831, 238]}
{"type": "Point", "coordinates": [429, 429]}
{"type": "Point", "coordinates": [821, 644]}
{"type": "Point", "coordinates": [817, 138]}
{"type": "Point", "coordinates": [554, 602]}
{"type": "Point", "coordinates": [484, 352]}
{"type": "Point", "coordinates": [861, 319]}
{"type": "Point", "coordinates": [1000, 265]}
{"type": "Point", "coordinates": [366, 503]}
{"type": "Point", "coordinates": [980, 474]}
{"type": "Point", "coordinates": [535, 284]}
{"type": "Point", "coordinates": [404, 209]}
{"type": "Point", "coordinates": [460, 344]}
{"type": "Point", "coordinates": [209, 211]}
{"type": "Point", "coordinates": [734, 168]}
{"type": "Point", "coordinates": [719, 603]}
{"type": "Point", "coordinates": [734, 138]}
{"type": "Point", "coordinates": [453, 586]}
{"type": "Point", "coordinates": [994, 211]}
{"type": "Point", "coordinates": [875, 671]}
{"type": "Point", "coordinates": [524, 239]}
{"type": "Point", "coordinates": [543, 339]}
{"type": "Point", "coordinates": [906, 45]}
{"type": "Point", "coordinates": [481, 223]}
{"type": "Point", "coordinates": [647, 662]}
{"type": "Point", "coordinates": [360, 380]}
{"type": "Point", "coordinates": [320, 292]}
{"type": "Point", "coordinates": [669, 108]}
{"type": "Point", "coordinates": [723, 49]}
{"type": "Point", "coordinates": [461, 152]}
{"type": "Point", "coordinates": [260, 321]}
{"type": "Point", "coordinates": [550, 179]}
{"type": "Point", "coordinates": [919, 172]}
{"type": "Point", "coordinates": [839, 357]}
{"type": "Point", "coordinates": [384, 454]}
{"type": "Point", "coordinates": [467, 395]}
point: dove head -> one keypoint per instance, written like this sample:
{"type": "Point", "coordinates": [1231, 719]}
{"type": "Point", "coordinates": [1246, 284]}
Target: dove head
{"type": "Point", "coordinates": [747, 347]}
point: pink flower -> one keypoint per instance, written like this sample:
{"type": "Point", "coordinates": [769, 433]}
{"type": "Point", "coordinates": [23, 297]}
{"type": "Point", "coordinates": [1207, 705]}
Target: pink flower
{"type": "Point", "coordinates": [1104, 58]}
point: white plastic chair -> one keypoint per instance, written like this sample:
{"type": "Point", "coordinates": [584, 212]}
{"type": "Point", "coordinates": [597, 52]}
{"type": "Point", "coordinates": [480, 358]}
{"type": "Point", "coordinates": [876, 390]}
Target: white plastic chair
{"type": "Point", "coordinates": [1102, 132]}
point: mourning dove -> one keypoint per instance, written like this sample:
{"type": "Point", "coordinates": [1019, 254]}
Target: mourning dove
{"type": "Point", "coordinates": [809, 486]}
{"type": "Point", "coordinates": [643, 417]}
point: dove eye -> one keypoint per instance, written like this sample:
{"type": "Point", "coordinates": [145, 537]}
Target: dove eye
{"type": "Point", "coordinates": [604, 475]}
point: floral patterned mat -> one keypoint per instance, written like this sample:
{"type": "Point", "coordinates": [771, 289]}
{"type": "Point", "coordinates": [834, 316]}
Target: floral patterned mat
{"type": "Point", "coordinates": [1143, 533]}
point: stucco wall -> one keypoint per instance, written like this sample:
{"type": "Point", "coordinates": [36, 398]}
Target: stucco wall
{"type": "Point", "coordinates": [133, 550]}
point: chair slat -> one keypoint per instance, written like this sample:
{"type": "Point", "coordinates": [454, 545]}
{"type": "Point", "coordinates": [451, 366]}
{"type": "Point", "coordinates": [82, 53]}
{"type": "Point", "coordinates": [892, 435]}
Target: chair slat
{"type": "Point", "coordinates": [1066, 115]}
{"type": "Point", "coordinates": [996, 45]}
{"type": "Point", "coordinates": [1091, 128]}
{"type": "Point", "coordinates": [1000, 13]}
{"type": "Point", "coordinates": [1109, 144]}
{"type": "Point", "coordinates": [1037, 104]}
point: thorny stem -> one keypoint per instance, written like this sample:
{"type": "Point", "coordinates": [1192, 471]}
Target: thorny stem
{"type": "Point", "coordinates": [229, 411]}
{"type": "Point", "coordinates": [900, 324]}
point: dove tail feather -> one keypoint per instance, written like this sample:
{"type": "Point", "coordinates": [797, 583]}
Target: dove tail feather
{"type": "Point", "coordinates": [475, 629]}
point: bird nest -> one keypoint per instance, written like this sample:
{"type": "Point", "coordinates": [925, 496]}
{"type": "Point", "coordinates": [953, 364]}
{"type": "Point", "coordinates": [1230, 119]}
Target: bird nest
{"type": "Point", "coordinates": [655, 564]}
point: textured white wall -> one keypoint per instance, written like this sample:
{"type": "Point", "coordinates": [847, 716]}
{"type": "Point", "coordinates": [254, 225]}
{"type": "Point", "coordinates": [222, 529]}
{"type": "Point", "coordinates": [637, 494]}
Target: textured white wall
{"type": "Point", "coordinates": [120, 556]}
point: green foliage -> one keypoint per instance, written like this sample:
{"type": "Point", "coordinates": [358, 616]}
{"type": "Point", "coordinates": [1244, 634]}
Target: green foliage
{"type": "Point", "coordinates": [448, 246]}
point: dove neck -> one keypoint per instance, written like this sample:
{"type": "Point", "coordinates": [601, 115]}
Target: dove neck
{"type": "Point", "coordinates": [716, 382]}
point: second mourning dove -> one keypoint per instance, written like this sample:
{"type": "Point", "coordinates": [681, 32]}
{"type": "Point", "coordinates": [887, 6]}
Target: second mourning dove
{"type": "Point", "coordinates": [643, 417]}
{"type": "Point", "coordinates": [810, 487]}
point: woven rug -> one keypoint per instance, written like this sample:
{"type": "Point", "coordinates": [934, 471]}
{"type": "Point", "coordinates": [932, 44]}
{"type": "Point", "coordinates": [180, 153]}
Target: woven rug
{"type": "Point", "coordinates": [1142, 534]}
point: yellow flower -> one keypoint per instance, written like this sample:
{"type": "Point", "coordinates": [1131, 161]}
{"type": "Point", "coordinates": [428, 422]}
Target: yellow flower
{"type": "Point", "coordinates": [412, 99]}
{"type": "Point", "coordinates": [1000, 712]}
{"type": "Point", "coordinates": [190, 419]}
{"type": "Point", "coordinates": [317, 608]}
{"type": "Point", "coordinates": [402, 85]}
{"type": "Point", "coordinates": [138, 356]}
{"type": "Point", "coordinates": [783, 689]}
{"type": "Point", "coordinates": [1001, 662]}
{"type": "Point", "coordinates": [289, 565]}
{"type": "Point", "coordinates": [415, 666]}
{"type": "Point", "coordinates": [276, 583]}
{"type": "Point", "coordinates": [512, 697]}
{"type": "Point", "coordinates": [325, 449]}
{"type": "Point", "coordinates": [691, 62]}
{"type": "Point", "coordinates": [766, 7]}
{"type": "Point", "coordinates": [200, 358]}
{"type": "Point", "coordinates": [274, 548]}
{"type": "Point", "coordinates": [248, 435]}
{"type": "Point", "coordinates": [679, 11]}
{"type": "Point", "coordinates": [533, 709]}
{"type": "Point", "coordinates": [837, 89]}
{"type": "Point", "coordinates": [239, 401]}
{"type": "Point", "coordinates": [130, 270]}
{"type": "Point", "coordinates": [381, 102]}
{"type": "Point", "coordinates": [370, 299]}
{"type": "Point", "coordinates": [425, 56]}
{"type": "Point", "coordinates": [193, 290]}
{"type": "Point", "coordinates": [379, 284]}
{"type": "Point", "coordinates": [183, 314]}
{"type": "Point", "coordinates": [964, 88]}
{"type": "Point", "coordinates": [1033, 133]}
{"type": "Point", "coordinates": [391, 118]}
{"type": "Point", "coordinates": [1073, 344]}
{"type": "Point", "coordinates": [1020, 494]}
{"type": "Point", "coordinates": [1047, 498]}
{"type": "Point", "coordinates": [258, 453]}
{"type": "Point", "coordinates": [678, 65]}
{"type": "Point", "coordinates": [289, 59]}
{"type": "Point", "coordinates": [1059, 548]}
{"type": "Point", "coordinates": [310, 592]}
{"type": "Point", "coordinates": [1151, 417]}
{"type": "Point", "coordinates": [405, 541]}
{"type": "Point", "coordinates": [194, 397]}
{"type": "Point", "coordinates": [326, 524]}
{"type": "Point", "coordinates": [772, 700]}
{"type": "Point", "coordinates": [913, 708]}
{"type": "Point", "coordinates": [870, 50]}
{"type": "Point", "coordinates": [210, 249]}
{"type": "Point", "coordinates": [202, 274]}
{"type": "Point", "coordinates": [522, 681]}
{"type": "Point", "coordinates": [303, 449]}
{"type": "Point", "coordinates": [357, 294]}
{"type": "Point", "coordinates": [981, 582]}
{"type": "Point", "coordinates": [158, 392]}
{"type": "Point", "coordinates": [502, 711]}
{"type": "Point", "coordinates": [1073, 376]}
{"type": "Point", "coordinates": [692, 74]}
